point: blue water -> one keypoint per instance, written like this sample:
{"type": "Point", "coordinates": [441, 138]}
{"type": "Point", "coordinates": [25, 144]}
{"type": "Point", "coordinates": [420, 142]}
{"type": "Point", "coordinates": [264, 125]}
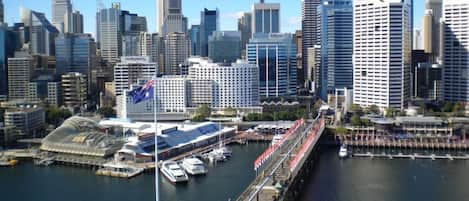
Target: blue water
{"type": "Point", "coordinates": [27, 182]}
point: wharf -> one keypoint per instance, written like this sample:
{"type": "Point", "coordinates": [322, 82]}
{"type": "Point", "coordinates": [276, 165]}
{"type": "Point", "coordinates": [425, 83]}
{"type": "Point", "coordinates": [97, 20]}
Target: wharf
{"type": "Point", "coordinates": [412, 156]}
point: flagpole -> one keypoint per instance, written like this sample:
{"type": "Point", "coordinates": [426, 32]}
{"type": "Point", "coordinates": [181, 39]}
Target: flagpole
{"type": "Point", "coordinates": [157, 196]}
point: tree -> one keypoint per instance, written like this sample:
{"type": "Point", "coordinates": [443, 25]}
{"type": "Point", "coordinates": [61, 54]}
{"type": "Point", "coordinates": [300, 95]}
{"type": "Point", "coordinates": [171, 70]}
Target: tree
{"type": "Point", "coordinates": [448, 107]}
{"type": "Point", "coordinates": [365, 122]}
{"type": "Point", "coordinates": [341, 131]}
{"type": "Point", "coordinates": [390, 112]}
{"type": "Point", "coordinates": [204, 111]}
{"type": "Point", "coordinates": [107, 112]}
{"type": "Point", "coordinates": [230, 111]}
{"type": "Point", "coordinates": [373, 109]}
{"type": "Point", "coordinates": [355, 120]}
{"type": "Point", "coordinates": [55, 115]}
{"type": "Point", "coordinates": [356, 109]}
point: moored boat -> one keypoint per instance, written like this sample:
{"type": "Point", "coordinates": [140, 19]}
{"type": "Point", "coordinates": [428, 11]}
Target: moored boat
{"type": "Point", "coordinates": [194, 166]}
{"type": "Point", "coordinates": [173, 172]}
{"type": "Point", "coordinates": [343, 151]}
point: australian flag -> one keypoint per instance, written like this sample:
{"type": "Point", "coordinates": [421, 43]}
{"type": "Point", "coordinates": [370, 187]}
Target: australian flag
{"type": "Point", "coordinates": [142, 93]}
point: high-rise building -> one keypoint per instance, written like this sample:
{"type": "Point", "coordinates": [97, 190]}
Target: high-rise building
{"type": "Point", "coordinates": [176, 46]}
{"type": "Point", "coordinates": [336, 40]}
{"type": "Point", "coordinates": [266, 17]}
{"type": "Point", "coordinates": [309, 26]}
{"type": "Point", "coordinates": [245, 27]}
{"type": "Point", "coordinates": [9, 43]}
{"type": "Point", "coordinates": [76, 53]}
{"type": "Point", "coordinates": [73, 22]}
{"type": "Point", "coordinates": [417, 41]}
{"type": "Point", "coordinates": [45, 88]}
{"type": "Point", "coordinates": [74, 90]}
{"type": "Point", "coordinates": [109, 33]}
{"type": "Point", "coordinates": [224, 46]}
{"type": "Point", "coordinates": [275, 55]}
{"type": "Point", "coordinates": [427, 32]}
{"type": "Point", "coordinates": [170, 18]}
{"type": "Point", "coordinates": [382, 57]}
{"type": "Point", "coordinates": [456, 51]}
{"type": "Point", "coordinates": [194, 35]}
{"type": "Point", "coordinates": [132, 23]}
{"type": "Point", "coordinates": [150, 46]}
{"type": "Point", "coordinates": [59, 9]}
{"type": "Point", "coordinates": [436, 13]}
{"type": "Point", "coordinates": [2, 12]}
{"type": "Point", "coordinates": [209, 22]}
{"type": "Point", "coordinates": [131, 71]}
{"type": "Point", "coordinates": [312, 72]}
{"type": "Point", "coordinates": [20, 73]}
{"type": "Point", "coordinates": [42, 34]}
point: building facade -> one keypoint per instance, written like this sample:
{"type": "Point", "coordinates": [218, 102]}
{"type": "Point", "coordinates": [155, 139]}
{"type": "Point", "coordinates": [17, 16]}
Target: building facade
{"type": "Point", "coordinates": [245, 27]}
{"type": "Point", "coordinates": [20, 73]}
{"type": "Point", "coordinates": [29, 121]}
{"type": "Point", "coordinates": [73, 22]}
{"type": "Point", "coordinates": [336, 40]}
{"type": "Point", "coordinates": [309, 26]}
{"type": "Point", "coordinates": [209, 22]}
{"type": "Point", "coordinates": [59, 9]}
{"type": "Point", "coordinates": [382, 57]}
{"type": "Point", "coordinates": [74, 90]}
{"type": "Point", "coordinates": [455, 51]}
{"type": "Point", "coordinates": [224, 46]}
{"type": "Point", "coordinates": [109, 33]}
{"type": "Point", "coordinates": [194, 35]}
{"type": "Point", "coordinates": [176, 46]}
{"type": "Point", "coordinates": [275, 55]}
{"type": "Point", "coordinates": [170, 18]}
{"type": "Point", "coordinates": [266, 17]}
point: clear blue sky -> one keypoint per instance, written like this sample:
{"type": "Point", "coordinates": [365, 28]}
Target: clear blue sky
{"type": "Point", "coordinates": [229, 11]}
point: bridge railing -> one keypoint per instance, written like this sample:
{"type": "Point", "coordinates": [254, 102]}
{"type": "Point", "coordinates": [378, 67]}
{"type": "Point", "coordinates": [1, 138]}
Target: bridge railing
{"type": "Point", "coordinates": [282, 156]}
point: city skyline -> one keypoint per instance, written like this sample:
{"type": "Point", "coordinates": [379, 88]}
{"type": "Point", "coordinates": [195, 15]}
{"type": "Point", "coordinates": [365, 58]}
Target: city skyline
{"type": "Point", "coordinates": [229, 11]}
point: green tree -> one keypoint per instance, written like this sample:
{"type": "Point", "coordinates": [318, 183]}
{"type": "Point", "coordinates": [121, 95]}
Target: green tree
{"type": "Point", "coordinates": [230, 111]}
{"type": "Point", "coordinates": [204, 111]}
{"type": "Point", "coordinates": [55, 115]}
{"type": "Point", "coordinates": [448, 107]}
{"type": "Point", "coordinates": [390, 112]}
{"type": "Point", "coordinates": [356, 109]}
{"type": "Point", "coordinates": [341, 131]}
{"type": "Point", "coordinates": [373, 109]}
{"type": "Point", "coordinates": [365, 122]}
{"type": "Point", "coordinates": [107, 112]}
{"type": "Point", "coordinates": [355, 120]}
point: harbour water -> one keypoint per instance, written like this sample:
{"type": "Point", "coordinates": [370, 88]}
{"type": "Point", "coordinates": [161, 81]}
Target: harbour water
{"type": "Point", "coordinates": [224, 181]}
{"type": "Point", "coordinates": [366, 179]}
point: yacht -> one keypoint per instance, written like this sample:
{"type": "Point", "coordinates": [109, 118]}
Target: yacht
{"type": "Point", "coordinates": [214, 157]}
{"type": "Point", "coordinates": [173, 172]}
{"type": "Point", "coordinates": [343, 151]}
{"type": "Point", "coordinates": [118, 170]}
{"type": "Point", "coordinates": [223, 150]}
{"type": "Point", "coordinates": [194, 166]}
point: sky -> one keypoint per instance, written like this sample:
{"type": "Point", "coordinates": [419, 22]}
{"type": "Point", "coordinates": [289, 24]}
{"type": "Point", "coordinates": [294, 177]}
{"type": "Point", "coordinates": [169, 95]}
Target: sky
{"type": "Point", "coordinates": [230, 10]}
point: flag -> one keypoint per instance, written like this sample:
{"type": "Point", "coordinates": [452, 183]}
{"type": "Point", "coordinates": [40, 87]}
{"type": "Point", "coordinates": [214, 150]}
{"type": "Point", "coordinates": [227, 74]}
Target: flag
{"type": "Point", "coordinates": [142, 93]}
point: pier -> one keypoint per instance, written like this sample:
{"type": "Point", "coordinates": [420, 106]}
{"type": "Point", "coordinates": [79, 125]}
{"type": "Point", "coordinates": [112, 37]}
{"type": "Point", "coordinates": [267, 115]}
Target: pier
{"type": "Point", "coordinates": [280, 166]}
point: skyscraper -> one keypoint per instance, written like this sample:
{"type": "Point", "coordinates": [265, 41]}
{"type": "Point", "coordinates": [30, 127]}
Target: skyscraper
{"type": "Point", "coordinates": [455, 51]}
{"type": "Point", "coordinates": [275, 55]}
{"type": "Point", "coordinates": [417, 41]}
{"type": "Point", "coordinates": [436, 13]}
{"type": "Point", "coordinates": [427, 29]}
{"type": "Point", "coordinates": [209, 22]}
{"type": "Point", "coordinates": [20, 73]}
{"type": "Point", "coordinates": [177, 50]}
{"type": "Point", "coordinates": [336, 40]}
{"type": "Point", "coordinates": [150, 46]}
{"type": "Point", "coordinates": [170, 18]}
{"type": "Point", "coordinates": [2, 12]}
{"type": "Point", "coordinates": [194, 35]}
{"type": "Point", "coordinates": [59, 9]}
{"type": "Point", "coordinates": [309, 25]}
{"type": "Point", "coordinates": [42, 33]}
{"type": "Point", "coordinates": [74, 89]}
{"type": "Point", "coordinates": [109, 33]}
{"type": "Point", "coordinates": [382, 57]}
{"type": "Point", "coordinates": [224, 46]}
{"type": "Point", "coordinates": [73, 22]}
{"type": "Point", "coordinates": [75, 53]}
{"type": "Point", "coordinates": [266, 17]}
{"type": "Point", "coordinates": [245, 27]}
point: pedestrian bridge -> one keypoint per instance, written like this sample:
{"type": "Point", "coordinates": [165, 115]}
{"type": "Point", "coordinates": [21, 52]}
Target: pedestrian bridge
{"type": "Point", "coordinates": [279, 166]}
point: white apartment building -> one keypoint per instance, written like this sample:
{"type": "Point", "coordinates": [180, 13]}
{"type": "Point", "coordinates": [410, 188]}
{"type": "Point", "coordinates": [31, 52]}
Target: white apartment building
{"type": "Point", "coordinates": [382, 52]}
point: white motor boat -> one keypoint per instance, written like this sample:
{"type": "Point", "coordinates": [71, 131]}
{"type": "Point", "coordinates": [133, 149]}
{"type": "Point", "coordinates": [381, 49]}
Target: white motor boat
{"type": "Point", "coordinates": [173, 172]}
{"type": "Point", "coordinates": [343, 151]}
{"type": "Point", "coordinates": [214, 157]}
{"type": "Point", "coordinates": [194, 166]}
